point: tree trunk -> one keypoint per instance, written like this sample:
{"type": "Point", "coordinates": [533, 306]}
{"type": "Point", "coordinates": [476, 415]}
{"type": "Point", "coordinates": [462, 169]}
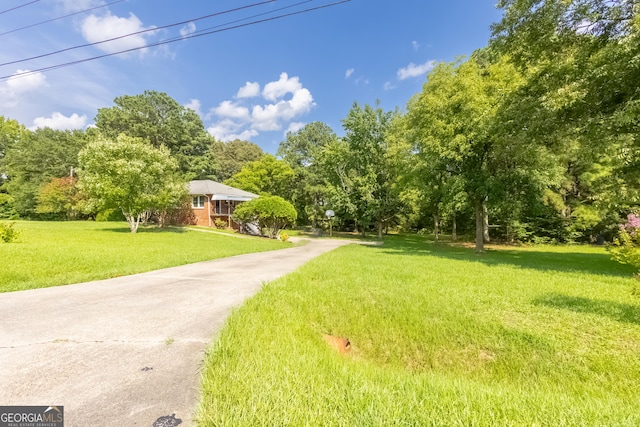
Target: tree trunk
{"type": "Point", "coordinates": [485, 222]}
{"type": "Point", "coordinates": [454, 228]}
{"type": "Point", "coordinates": [380, 230]}
{"type": "Point", "coordinates": [479, 227]}
{"type": "Point", "coordinates": [436, 226]}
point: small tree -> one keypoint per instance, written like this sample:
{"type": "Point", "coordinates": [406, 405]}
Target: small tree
{"type": "Point", "coordinates": [131, 175]}
{"type": "Point", "coordinates": [60, 197]}
{"type": "Point", "coordinates": [271, 213]}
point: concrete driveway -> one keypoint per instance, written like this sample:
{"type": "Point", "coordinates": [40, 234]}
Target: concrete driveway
{"type": "Point", "coordinates": [127, 351]}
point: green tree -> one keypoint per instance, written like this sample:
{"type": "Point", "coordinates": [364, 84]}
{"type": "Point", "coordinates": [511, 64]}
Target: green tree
{"type": "Point", "coordinates": [11, 133]}
{"type": "Point", "coordinates": [580, 98]}
{"type": "Point", "coordinates": [459, 132]}
{"type": "Point", "coordinates": [35, 159]}
{"type": "Point", "coordinates": [230, 157]}
{"type": "Point", "coordinates": [159, 119]}
{"type": "Point", "coordinates": [61, 199]}
{"type": "Point", "coordinates": [265, 176]}
{"type": "Point", "coordinates": [358, 170]}
{"type": "Point", "coordinates": [302, 150]}
{"type": "Point", "coordinates": [271, 213]}
{"type": "Point", "coordinates": [131, 175]}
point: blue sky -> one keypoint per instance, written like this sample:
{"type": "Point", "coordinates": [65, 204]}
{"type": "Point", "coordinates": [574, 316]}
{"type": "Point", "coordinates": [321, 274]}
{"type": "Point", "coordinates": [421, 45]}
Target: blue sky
{"type": "Point", "coordinates": [255, 82]}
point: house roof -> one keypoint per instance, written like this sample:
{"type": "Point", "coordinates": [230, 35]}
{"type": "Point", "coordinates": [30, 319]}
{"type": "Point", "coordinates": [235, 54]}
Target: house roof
{"type": "Point", "coordinates": [219, 191]}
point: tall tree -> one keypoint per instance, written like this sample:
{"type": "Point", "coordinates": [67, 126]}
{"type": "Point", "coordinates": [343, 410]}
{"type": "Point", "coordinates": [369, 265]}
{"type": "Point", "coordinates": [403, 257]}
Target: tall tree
{"type": "Point", "coordinates": [37, 158]}
{"type": "Point", "coordinates": [265, 176]}
{"type": "Point", "coordinates": [231, 156]}
{"type": "Point", "coordinates": [11, 133]}
{"type": "Point", "coordinates": [458, 133]}
{"type": "Point", "coordinates": [302, 150]}
{"type": "Point", "coordinates": [131, 175]}
{"type": "Point", "coordinates": [159, 119]}
{"type": "Point", "coordinates": [361, 181]}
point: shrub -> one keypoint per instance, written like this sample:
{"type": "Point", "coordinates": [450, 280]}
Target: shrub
{"type": "Point", "coordinates": [271, 213]}
{"type": "Point", "coordinates": [220, 223]}
{"type": "Point", "coordinates": [8, 232]}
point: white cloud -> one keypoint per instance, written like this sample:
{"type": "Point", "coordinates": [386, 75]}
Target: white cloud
{"type": "Point", "coordinates": [285, 85]}
{"type": "Point", "coordinates": [415, 45]}
{"type": "Point", "coordinates": [59, 121]}
{"type": "Point", "coordinates": [249, 90]}
{"type": "Point", "coordinates": [78, 5]}
{"type": "Point", "coordinates": [389, 86]}
{"type": "Point", "coordinates": [349, 73]}
{"type": "Point", "coordinates": [25, 83]}
{"type": "Point", "coordinates": [98, 28]}
{"type": "Point", "coordinates": [413, 70]}
{"type": "Point", "coordinates": [294, 127]}
{"type": "Point", "coordinates": [231, 110]}
{"type": "Point", "coordinates": [190, 28]}
{"type": "Point", "coordinates": [195, 105]}
{"type": "Point", "coordinates": [286, 99]}
{"type": "Point", "coordinates": [228, 130]}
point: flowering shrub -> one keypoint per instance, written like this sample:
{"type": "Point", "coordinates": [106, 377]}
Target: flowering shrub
{"type": "Point", "coordinates": [626, 247]}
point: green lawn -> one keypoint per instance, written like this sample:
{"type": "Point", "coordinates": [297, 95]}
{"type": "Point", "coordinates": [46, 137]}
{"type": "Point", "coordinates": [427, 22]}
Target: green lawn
{"type": "Point", "coordinates": [58, 253]}
{"type": "Point", "coordinates": [545, 336]}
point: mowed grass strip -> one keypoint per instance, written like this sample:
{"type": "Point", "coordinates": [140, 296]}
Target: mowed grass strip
{"type": "Point", "coordinates": [440, 336]}
{"type": "Point", "coordinates": [58, 253]}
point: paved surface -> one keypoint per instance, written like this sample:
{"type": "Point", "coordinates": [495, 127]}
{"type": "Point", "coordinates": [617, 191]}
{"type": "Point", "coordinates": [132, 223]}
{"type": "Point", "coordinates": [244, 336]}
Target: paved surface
{"type": "Point", "coordinates": [127, 351]}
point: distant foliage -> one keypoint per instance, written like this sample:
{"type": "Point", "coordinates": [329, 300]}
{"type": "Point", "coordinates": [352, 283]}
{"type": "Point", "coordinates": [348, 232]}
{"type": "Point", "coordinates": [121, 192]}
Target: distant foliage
{"type": "Point", "coordinates": [61, 199]}
{"type": "Point", "coordinates": [7, 210]}
{"type": "Point", "coordinates": [8, 232]}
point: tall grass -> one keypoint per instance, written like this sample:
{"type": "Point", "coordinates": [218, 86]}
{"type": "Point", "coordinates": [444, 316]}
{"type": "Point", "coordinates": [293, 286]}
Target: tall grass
{"type": "Point", "coordinates": [58, 253]}
{"type": "Point", "coordinates": [440, 336]}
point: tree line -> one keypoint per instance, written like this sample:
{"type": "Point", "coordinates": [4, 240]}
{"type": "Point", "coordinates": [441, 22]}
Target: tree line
{"type": "Point", "coordinates": [531, 138]}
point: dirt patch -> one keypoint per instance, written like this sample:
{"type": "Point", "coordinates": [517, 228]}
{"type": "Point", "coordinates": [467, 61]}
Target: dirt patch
{"type": "Point", "coordinates": [341, 345]}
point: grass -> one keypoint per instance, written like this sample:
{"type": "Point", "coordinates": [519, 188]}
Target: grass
{"type": "Point", "coordinates": [545, 336]}
{"type": "Point", "coordinates": [58, 253]}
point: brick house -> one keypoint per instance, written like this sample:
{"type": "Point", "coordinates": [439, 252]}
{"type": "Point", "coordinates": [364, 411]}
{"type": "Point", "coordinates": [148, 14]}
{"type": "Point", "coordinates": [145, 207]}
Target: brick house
{"type": "Point", "coordinates": [212, 200]}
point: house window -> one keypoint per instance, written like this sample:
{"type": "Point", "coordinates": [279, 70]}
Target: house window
{"type": "Point", "coordinates": [218, 207]}
{"type": "Point", "coordinates": [198, 202]}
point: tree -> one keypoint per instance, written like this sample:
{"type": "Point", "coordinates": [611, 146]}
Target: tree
{"type": "Point", "coordinates": [60, 197]}
{"type": "Point", "coordinates": [159, 119]}
{"type": "Point", "coordinates": [265, 176]}
{"type": "Point", "coordinates": [580, 97]}
{"type": "Point", "coordinates": [359, 172]}
{"type": "Point", "coordinates": [271, 213]}
{"type": "Point", "coordinates": [231, 157]}
{"type": "Point", "coordinates": [302, 150]}
{"type": "Point", "coordinates": [35, 159]}
{"type": "Point", "coordinates": [11, 133]}
{"type": "Point", "coordinates": [131, 175]}
{"type": "Point", "coordinates": [458, 131]}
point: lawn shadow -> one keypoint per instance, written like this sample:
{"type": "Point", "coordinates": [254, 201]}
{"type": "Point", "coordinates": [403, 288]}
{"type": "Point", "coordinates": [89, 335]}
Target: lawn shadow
{"type": "Point", "coordinates": [620, 312]}
{"type": "Point", "coordinates": [146, 229]}
{"type": "Point", "coordinates": [590, 263]}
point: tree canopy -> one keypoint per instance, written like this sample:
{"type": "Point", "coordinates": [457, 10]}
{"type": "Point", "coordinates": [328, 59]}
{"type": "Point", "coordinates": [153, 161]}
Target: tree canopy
{"type": "Point", "coordinates": [131, 175]}
{"type": "Point", "coordinates": [160, 120]}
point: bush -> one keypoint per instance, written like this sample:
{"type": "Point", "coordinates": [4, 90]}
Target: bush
{"type": "Point", "coordinates": [626, 247]}
{"type": "Point", "coordinates": [8, 232]}
{"type": "Point", "coordinates": [220, 223]}
{"type": "Point", "coordinates": [271, 213]}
